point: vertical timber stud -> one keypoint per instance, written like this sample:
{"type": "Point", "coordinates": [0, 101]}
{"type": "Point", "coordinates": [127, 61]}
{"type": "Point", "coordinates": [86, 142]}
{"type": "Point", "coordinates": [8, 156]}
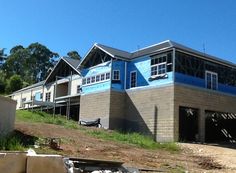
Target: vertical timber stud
{"type": "Point", "coordinates": [173, 64]}
{"type": "Point", "coordinates": [69, 109]}
{"type": "Point", "coordinates": [42, 98]}
{"type": "Point", "coordinates": [175, 116]}
{"type": "Point", "coordinates": [69, 93]}
{"type": "Point", "coordinates": [21, 104]}
{"type": "Point", "coordinates": [54, 98]}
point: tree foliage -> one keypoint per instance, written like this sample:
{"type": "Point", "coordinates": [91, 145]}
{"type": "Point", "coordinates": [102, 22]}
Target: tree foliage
{"type": "Point", "coordinates": [14, 83]}
{"type": "Point", "coordinates": [30, 64]}
{"type": "Point", "coordinates": [74, 55]}
{"type": "Point", "coordinates": [2, 81]}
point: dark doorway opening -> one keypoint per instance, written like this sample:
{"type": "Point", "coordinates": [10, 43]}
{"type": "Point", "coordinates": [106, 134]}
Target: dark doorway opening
{"type": "Point", "coordinates": [220, 127]}
{"type": "Point", "coordinates": [188, 124]}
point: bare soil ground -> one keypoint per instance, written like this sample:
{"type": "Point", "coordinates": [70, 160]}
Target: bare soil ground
{"type": "Point", "coordinates": [192, 157]}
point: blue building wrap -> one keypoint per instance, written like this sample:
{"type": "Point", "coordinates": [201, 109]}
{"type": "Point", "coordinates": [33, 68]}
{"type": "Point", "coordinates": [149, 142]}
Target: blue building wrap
{"type": "Point", "coordinates": [143, 68]}
{"type": "Point", "coordinates": [119, 65]}
{"type": "Point", "coordinates": [93, 71]}
{"type": "Point", "coordinates": [198, 82]}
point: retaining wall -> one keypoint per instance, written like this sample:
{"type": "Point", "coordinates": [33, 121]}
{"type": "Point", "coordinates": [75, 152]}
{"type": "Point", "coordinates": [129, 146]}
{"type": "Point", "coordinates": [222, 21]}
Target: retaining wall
{"type": "Point", "coordinates": [7, 115]}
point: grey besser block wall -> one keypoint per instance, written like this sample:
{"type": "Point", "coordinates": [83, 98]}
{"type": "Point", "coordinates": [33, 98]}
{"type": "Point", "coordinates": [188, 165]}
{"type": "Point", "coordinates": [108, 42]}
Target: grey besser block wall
{"type": "Point", "coordinates": [117, 110]}
{"type": "Point", "coordinates": [151, 111]}
{"type": "Point", "coordinates": [96, 105]}
{"type": "Point", "coordinates": [203, 100]}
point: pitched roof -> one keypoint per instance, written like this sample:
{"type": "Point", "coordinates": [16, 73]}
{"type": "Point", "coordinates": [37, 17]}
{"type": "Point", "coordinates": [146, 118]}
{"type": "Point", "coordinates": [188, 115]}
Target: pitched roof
{"type": "Point", "coordinates": [31, 86]}
{"type": "Point", "coordinates": [168, 44]}
{"type": "Point", "coordinates": [151, 49]}
{"type": "Point", "coordinates": [207, 56]}
{"type": "Point", "coordinates": [165, 45]}
{"type": "Point", "coordinates": [113, 51]}
{"type": "Point", "coordinates": [73, 62]}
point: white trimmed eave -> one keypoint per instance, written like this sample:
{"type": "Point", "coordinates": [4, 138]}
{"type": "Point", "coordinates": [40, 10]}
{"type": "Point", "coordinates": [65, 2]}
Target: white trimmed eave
{"type": "Point", "coordinates": [95, 45]}
{"type": "Point", "coordinates": [56, 67]}
{"type": "Point", "coordinates": [105, 51]}
{"type": "Point", "coordinates": [52, 70]}
{"type": "Point", "coordinates": [85, 57]}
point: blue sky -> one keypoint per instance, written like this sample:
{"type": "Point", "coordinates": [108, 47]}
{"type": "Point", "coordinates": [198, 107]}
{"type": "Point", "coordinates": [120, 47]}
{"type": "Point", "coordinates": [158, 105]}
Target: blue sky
{"type": "Point", "coordinates": [64, 25]}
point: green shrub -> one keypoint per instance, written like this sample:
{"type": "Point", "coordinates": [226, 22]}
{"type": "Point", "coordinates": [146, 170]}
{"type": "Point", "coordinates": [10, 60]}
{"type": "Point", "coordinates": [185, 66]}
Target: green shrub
{"type": "Point", "coordinates": [11, 143]}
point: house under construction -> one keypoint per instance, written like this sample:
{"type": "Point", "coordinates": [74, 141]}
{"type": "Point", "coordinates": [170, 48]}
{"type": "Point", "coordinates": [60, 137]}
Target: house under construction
{"type": "Point", "coordinates": [167, 90]}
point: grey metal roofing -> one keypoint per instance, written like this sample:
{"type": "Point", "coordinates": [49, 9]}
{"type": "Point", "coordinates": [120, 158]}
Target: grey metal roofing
{"type": "Point", "coordinates": [31, 86]}
{"type": "Point", "coordinates": [168, 44]}
{"type": "Point", "coordinates": [151, 49]}
{"type": "Point", "coordinates": [71, 61]}
{"type": "Point", "coordinates": [114, 51]}
{"type": "Point", "coordinates": [206, 56]}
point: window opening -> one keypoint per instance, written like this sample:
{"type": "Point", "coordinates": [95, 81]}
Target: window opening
{"type": "Point", "coordinates": [133, 79]}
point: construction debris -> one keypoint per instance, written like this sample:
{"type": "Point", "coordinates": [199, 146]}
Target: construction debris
{"type": "Point", "coordinates": [95, 123]}
{"type": "Point", "coordinates": [31, 162]}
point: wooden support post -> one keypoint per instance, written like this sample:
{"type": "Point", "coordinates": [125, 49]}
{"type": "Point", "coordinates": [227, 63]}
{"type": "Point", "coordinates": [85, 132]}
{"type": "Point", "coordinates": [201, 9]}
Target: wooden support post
{"type": "Point", "coordinates": [54, 97]}
{"type": "Point", "coordinates": [69, 109]}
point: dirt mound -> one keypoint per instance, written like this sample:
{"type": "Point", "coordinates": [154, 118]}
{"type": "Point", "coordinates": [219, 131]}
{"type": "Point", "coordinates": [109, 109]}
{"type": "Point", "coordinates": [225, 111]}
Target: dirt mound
{"type": "Point", "coordinates": [76, 143]}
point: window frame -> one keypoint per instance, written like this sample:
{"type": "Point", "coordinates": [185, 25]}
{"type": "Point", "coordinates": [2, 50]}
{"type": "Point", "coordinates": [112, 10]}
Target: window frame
{"type": "Point", "coordinates": [157, 61]}
{"type": "Point", "coordinates": [212, 87]}
{"type": "Point", "coordinates": [103, 77]}
{"type": "Point", "coordinates": [98, 78]}
{"type": "Point", "coordinates": [107, 75]}
{"type": "Point", "coordinates": [47, 96]}
{"type": "Point", "coordinates": [84, 81]}
{"type": "Point", "coordinates": [113, 75]}
{"type": "Point", "coordinates": [157, 69]}
{"type": "Point", "coordinates": [134, 71]}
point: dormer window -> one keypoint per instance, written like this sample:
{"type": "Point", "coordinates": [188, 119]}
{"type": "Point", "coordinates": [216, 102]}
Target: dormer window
{"type": "Point", "coordinates": [158, 65]}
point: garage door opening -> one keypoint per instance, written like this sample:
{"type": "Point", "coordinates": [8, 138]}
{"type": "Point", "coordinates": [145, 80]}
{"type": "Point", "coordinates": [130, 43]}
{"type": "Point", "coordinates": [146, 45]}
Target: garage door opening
{"type": "Point", "coordinates": [220, 127]}
{"type": "Point", "coordinates": [188, 124]}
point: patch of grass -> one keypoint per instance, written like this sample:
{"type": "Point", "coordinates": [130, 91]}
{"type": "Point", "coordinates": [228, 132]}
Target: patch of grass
{"type": "Point", "coordinates": [11, 143]}
{"type": "Point", "coordinates": [128, 138]}
{"type": "Point", "coordinates": [42, 117]}
{"type": "Point", "coordinates": [133, 138]}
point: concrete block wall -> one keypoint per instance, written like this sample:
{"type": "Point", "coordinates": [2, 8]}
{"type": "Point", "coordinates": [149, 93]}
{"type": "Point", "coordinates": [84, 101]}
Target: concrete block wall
{"type": "Point", "coordinates": [151, 111]}
{"type": "Point", "coordinates": [96, 105]}
{"type": "Point", "coordinates": [7, 115]}
{"type": "Point", "coordinates": [117, 110]}
{"type": "Point", "coordinates": [202, 99]}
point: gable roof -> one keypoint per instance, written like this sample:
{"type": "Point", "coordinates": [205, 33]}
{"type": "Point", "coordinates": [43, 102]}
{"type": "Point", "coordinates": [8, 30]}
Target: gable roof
{"type": "Point", "coordinates": [71, 62]}
{"type": "Point", "coordinates": [165, 45]}
{"type": "Point", "coordinates": [31, 86]}
{"type": "Point", "coordinates": [113, 51]}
